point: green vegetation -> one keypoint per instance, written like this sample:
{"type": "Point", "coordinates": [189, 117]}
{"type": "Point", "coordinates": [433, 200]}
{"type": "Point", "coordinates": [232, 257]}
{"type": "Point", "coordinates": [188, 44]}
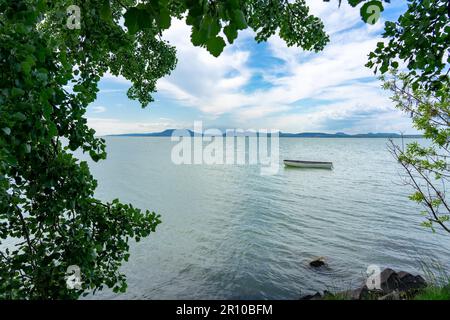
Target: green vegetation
{"type": "Point", "coordinates": [420, 40]}
{"type": "Point", "coordinates": [437, 279]}
{"type": "Point", "coordinates": [49, 216]}
{"type": "Point", "coordinates": [429, 293]}
{"type": "Point", "coordinates": [426, 166]}
{"type": "Point", "coordinates": [336, 296]}
{"type": "Point", "coordinates": [434, 293]}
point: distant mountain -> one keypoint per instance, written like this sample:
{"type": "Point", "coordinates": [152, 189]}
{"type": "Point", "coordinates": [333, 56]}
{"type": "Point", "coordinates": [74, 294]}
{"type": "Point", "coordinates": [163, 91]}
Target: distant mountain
{"type": "Point", "coordinates": [344, 135]}
{"type": "Point", "coordinates": [165, 133]}
{"type": "Point", "coordinates": [313, 135]}
{"type": "Point", "coordinates": [169, 132]}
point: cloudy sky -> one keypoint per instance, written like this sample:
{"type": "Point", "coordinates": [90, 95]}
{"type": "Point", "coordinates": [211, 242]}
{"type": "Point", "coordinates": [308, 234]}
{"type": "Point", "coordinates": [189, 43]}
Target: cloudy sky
{"type": "Point", "coordinates": [264, 86]}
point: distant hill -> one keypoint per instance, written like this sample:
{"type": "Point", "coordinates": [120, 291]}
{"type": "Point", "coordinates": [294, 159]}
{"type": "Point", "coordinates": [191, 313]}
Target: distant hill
{"type": "Point", "coordinates": [169, 132]}
{"type": "Point", "coordinates": [165, 133]}
{"type": "Point", "coordinates": [344, 135]}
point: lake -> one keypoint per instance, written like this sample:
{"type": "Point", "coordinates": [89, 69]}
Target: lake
{"type": "Point", "coordinates": [229, 232]}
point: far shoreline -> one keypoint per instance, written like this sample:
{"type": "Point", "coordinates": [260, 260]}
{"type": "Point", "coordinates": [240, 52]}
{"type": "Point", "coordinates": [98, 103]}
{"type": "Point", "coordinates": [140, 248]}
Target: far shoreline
{"type": "Point", "coordinates": [340, 135]}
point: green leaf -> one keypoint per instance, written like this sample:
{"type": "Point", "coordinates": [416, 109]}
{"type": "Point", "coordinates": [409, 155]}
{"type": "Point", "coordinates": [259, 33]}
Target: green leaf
{"type": "Point", "coordinates": [215, 46]}
{"type": "Point", "coordinates": [164, 19]}
{"type": "Point", "coordinates": [105, 10]}
{"type": "Point", "coordinates": [27, 64]}
{"type": "Point", "coordinates": [198, 37]}
{"type": "Point", "coordinates": [19, 116]}
{"type": "Point", "coordinates": [131, 20]}
{"type": "Point", "coordinates": [371, 11]}
{"type": "Point", "coordinates": [231, 33]}
{"type": "Point", "coordinates": [239, 19]}
{"type": "Point", "coordinates": [214, 28]}
{"type": "Point", "coordinates": [94, 156]}
{"type": "Point", "coordinates": [17, 92]}
{"type": "Point", "coordinates": [384, 67]}
{"type": "Point", "coordinates": [52, 130]}
{"type": "Point", "coordinates": [233, 4]}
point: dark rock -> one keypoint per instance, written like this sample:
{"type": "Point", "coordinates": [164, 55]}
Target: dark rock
{"type": "Point", "coordinates": [401, 281]}
{"type": "Point", "coordinates": [394, 286]}
{"type": "Point", "coordinates": [410, 282]}
{"type": "Point", "coordinates": [316, 296]}
{"type": "Point", "coordinates": [317, 263]}
{"type": "Point", "coordinates": [360, 293]}
{"type": "Point", "coordinates": [327, 293]}
{"type": "Point", "coordinates": [389, 280]}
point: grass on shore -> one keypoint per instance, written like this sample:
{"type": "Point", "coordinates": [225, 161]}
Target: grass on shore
{"type": "Point", "coordinates": [438, 281]}
{"type": "Point", "coordinates": [434, 293]}
{"type": "Point", "coordinates": [437, 278]}
{"type": "Point", "coordinates": [428, 293]}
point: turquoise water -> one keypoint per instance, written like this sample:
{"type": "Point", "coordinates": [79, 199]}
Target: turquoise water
{"type": "Point", "coordinates": [229, 232]}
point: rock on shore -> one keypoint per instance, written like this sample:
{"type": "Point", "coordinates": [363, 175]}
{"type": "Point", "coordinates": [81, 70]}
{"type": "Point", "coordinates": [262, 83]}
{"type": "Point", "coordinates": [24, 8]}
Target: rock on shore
{"type": "Point", "coordinates": [394, 286]}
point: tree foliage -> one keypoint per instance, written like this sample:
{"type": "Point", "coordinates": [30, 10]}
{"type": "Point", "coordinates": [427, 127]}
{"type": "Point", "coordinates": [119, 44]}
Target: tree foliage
{"type": "Point", "coordinates": [426, 166]}
{"type": "Point", "coordinates": [49, 216]}
{"type": "Point", "coordinates": [370, 9]}
{"type": "Point", "coordinates": [212, 21]}
{"type": "Point", "coordinates": [419, 40]}
{"type": "Point", "coordinates": [418, 44]}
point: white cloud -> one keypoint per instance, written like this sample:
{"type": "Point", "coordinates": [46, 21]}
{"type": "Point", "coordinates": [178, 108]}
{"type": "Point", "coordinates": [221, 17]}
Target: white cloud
{"type": "Point", "coordinates": [98, 109]}
{"type": "Point", "coordinates": [218, 86]}
{"type": "Point", "coordinates": [106, 126]}
{"type": "Point", "coordinates": [358, 118]}
{"type": "Point", "coordinates": [113, 90]}
{"type": "Point", "coordinates": [261, 111]}
{"type": "Point", "coordinates": [200, 80]}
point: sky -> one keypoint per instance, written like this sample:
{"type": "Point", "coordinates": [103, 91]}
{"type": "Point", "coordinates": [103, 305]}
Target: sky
{"type": "Point", "coordinates": [264, 86]}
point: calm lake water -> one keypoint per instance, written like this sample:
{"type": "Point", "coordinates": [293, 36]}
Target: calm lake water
{"type": "Point", "coordinates": [229, 232]}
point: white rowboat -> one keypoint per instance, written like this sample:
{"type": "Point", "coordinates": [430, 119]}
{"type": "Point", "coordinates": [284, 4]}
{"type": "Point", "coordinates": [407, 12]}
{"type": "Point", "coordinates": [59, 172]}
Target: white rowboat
{"type": "Point", "coordinates": [308, 164]}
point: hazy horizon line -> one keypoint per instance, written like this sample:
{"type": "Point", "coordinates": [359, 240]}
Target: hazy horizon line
{"type": "Point", "coordinates": [166, 132]}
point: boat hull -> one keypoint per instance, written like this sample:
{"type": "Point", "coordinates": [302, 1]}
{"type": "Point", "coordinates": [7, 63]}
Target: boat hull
{"type": "Point", "coordinates": [308, 164]}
